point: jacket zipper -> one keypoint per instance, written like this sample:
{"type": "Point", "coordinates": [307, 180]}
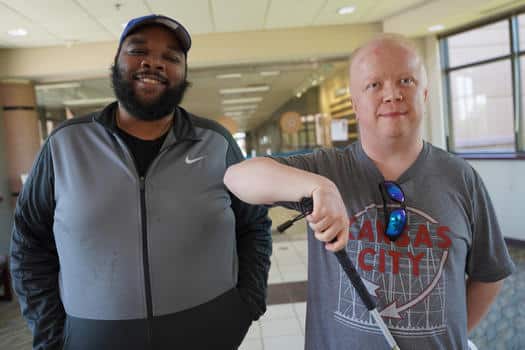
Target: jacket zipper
{"type": "Point", "coordinates": [145, 259]}
{"type": "Point", "coordinates": [145, 255]}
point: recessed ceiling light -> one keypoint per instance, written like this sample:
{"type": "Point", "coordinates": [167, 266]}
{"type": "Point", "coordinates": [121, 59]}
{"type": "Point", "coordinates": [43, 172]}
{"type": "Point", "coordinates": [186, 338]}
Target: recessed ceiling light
{"type": "Point", "coordinates": [242, 100]}
{"type": "Point", "coordinates": [346, 10]}
{"type": "Point", "coordinates": [260, 88]}
{"type": "Point", "coordinates": [239, 108]}
{"type": "Point", "coordinates": [17, 32]}
{"type": "Point", "coordinates": [235, 114]}
{"type": "Point", "coordinates": [229, 76]}
{"type": "Point", "coordinates": [238, 114]}
{"type": "Point", "coordinates": [89, 101]}
{"type": "Point", "coordinates": [436, 28]}
{"type": "Point", "coordinates": [270, 73]}
{"type": "Point", "coordinates": [71, 85]}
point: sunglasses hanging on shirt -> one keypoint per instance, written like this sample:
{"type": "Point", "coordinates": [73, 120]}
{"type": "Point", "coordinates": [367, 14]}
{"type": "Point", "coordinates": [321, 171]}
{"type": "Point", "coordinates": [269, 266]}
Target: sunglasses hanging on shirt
{"type": "Point", "coordinates": [395, 217]}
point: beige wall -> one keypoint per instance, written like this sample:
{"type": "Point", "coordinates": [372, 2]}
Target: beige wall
{"type": "Point", "coordinates": [92, 60]}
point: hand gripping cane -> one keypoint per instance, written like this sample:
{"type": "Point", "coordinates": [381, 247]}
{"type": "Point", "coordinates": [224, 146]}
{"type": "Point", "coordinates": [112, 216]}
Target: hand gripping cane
{"type": "Point", "coordinates": [350, 271]}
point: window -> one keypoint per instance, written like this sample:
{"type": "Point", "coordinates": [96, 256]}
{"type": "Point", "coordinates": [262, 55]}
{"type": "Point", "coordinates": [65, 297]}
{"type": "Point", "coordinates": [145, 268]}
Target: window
{"type": "Point", "coordinates": [482, 114]}
{"type": "Point", "coordinates": [484, 87]}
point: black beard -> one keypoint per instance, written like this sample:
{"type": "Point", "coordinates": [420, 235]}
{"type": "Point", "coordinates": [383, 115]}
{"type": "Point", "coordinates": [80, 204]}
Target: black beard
{"type": "Point", "coordinates": [164, 105]}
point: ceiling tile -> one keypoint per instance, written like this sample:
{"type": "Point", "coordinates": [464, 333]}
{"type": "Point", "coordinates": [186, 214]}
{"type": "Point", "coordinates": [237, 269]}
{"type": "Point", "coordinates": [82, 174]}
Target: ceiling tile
{"type": "Point", "coordinates": [194, 15]}
{"type": "Point", "coordinates": [12, 19]}
{"type": "Point", "coordinates": [113, 17]}
{"type": "Point", "coordinates": [305, 11]}
{"type": "Point", "coordinates": [329, 16]}
{"type": "Point", "coordinates": [62, 18]}
{"type": "Point", "coordinates": [416, 21]}
{"type": "Point", "coordinates": [385, 8]}
{"type": "Point", "coordinates": [235, 15]}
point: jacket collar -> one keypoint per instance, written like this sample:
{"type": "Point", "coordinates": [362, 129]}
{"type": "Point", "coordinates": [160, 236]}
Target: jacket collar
{"type": "Point", "coordinates": [182, 128]}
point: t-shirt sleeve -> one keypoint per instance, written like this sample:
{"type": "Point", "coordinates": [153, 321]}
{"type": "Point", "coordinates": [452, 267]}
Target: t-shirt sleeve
{"type": "Point", "coordinates": [488, 259]}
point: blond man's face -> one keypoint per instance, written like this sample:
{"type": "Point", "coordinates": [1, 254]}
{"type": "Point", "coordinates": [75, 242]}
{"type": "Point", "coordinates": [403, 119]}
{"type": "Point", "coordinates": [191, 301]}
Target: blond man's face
{"type": "Point", "coordinates": [389, 91]}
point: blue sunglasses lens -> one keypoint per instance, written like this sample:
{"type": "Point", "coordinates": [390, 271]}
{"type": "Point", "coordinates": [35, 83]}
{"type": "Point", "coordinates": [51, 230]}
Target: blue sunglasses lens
{"type": "Point", "coordinates": [394, 192]}
{"type": "Point", "coordinates": [396, 222]}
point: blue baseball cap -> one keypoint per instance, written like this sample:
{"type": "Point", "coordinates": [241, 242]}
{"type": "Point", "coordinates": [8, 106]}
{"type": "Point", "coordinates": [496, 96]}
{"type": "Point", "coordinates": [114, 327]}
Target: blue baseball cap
{"type": "Point", "coordinates": [178, 29]}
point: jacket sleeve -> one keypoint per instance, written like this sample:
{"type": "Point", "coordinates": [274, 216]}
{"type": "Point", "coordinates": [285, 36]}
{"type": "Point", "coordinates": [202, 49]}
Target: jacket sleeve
{"type": "Point", "coordinates": [254, 246]}
{"type": "Point", "coordinates": [34, 259]}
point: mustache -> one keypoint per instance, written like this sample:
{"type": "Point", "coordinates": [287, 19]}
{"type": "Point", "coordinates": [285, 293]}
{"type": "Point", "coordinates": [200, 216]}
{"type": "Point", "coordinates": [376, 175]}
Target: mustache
{"type": "Point", "coordinates": [148, 73]}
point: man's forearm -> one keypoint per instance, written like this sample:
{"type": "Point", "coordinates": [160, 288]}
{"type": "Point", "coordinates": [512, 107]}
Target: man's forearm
{"type": "Point", "coordinates": [266, 181]}
{"type": "Point", "coordinates": [480, 296]}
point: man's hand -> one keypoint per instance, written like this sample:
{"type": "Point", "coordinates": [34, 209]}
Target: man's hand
{"type": "Point", "coordinates": [329, 219]}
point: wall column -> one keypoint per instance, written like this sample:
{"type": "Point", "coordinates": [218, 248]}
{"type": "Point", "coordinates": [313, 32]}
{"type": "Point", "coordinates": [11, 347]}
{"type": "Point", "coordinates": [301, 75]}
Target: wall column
{"type": "Point", "coordinates": [21, 131]}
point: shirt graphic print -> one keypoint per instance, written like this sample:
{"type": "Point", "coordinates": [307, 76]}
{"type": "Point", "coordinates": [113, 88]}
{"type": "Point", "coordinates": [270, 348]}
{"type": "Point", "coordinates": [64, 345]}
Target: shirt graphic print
{"type": "Point", "coordinates": [406, 276]}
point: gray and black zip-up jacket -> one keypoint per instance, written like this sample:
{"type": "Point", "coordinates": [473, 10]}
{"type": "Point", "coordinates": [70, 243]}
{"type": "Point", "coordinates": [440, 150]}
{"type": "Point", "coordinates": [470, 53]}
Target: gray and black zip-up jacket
{"type": "Point", "coordinates": [103, 259]}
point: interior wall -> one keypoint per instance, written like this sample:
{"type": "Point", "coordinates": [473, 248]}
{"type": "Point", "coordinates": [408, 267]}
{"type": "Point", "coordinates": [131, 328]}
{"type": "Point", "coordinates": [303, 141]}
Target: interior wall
{"type": "Point", "coordinates": [216, 49]}
{"type": "Point", "coordinates": [507, 190]}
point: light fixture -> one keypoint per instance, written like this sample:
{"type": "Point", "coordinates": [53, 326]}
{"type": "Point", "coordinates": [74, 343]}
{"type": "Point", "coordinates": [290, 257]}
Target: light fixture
{"type": "Point", "coordinates": [57, 86]}
{"type": "Point", "coordinates": [229, 76]}
{"type": "Point", "coordinates": [236, 114]}
{"type": "Point", "coordinates": [242, 100]}
{"type": "Point", "coordinates": [17, 32]}
{"type": "Point", "coordinates": [239, 108]}
{"type": "Point", "coordinates": [89, 101]}
{"type": "Point", "coordinates": [260, 88]}
{"type": "Point", "coordinates": [270, 73]}
{"type": "Point", "coordinates": [346, 10]}
{"type": "Point", "coordinates": [436, 28]}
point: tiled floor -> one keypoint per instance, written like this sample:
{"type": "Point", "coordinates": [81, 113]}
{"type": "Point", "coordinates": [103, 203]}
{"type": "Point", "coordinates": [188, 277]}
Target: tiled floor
{"type": "Point", "coordinates": [289, 261]}
{"type": "Point", "coordinates": [281, 327]}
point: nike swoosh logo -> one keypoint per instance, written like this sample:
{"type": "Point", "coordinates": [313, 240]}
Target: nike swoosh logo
{"type": "Point", "coordinates": [194, 160]}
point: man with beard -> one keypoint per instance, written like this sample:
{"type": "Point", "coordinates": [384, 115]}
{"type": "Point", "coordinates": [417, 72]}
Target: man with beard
{"type": "Point", "coordinates": [125, 236]}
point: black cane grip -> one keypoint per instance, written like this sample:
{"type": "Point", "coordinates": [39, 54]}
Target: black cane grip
{"type": "Point", "coordinates": [285, 225]}
{"type": "Point", "coordinates": [307, 205]}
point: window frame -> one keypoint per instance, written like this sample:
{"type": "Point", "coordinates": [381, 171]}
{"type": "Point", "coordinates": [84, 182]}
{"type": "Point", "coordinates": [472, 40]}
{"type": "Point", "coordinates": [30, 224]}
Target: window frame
{"type": "Point", "coordinates": [514, 60]}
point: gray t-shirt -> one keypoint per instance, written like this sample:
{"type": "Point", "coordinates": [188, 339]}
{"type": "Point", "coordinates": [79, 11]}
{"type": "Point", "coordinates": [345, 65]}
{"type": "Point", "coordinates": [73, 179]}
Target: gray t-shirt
{"type": "Point", "coordinates": [419, 280]}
